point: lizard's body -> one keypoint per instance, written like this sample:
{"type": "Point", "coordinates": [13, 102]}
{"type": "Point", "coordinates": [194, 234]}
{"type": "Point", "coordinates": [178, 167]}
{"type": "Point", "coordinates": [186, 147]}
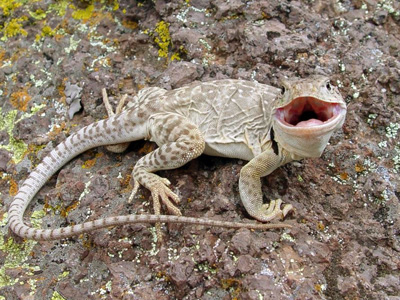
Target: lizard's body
{"type": "Point", "coordinates": [229, 118]}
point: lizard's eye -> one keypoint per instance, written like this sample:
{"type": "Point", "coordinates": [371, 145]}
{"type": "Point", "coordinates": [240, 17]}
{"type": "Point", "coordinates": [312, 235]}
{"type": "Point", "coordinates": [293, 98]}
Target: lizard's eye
{"type": "Point", "coordinates": [283, 90]}
{"type": "Point", "coordinates": [328, 86]}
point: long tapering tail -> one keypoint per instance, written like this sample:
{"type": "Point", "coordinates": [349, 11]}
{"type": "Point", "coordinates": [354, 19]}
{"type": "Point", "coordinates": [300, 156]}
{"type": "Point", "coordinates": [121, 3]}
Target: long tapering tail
{"type": "Point", "coordinates": [97, 134]}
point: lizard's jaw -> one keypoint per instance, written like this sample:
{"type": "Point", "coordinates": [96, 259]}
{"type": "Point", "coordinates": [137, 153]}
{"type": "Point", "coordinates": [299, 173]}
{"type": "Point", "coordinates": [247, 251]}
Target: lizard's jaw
{"type": "Point", "coordinates": [304, 112]}
{"type": "Point", "coordinates": [305, 125]}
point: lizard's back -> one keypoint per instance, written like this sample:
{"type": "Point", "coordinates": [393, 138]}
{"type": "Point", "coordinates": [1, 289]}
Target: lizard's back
{"type": "Point", "coordinates": [233, 115]}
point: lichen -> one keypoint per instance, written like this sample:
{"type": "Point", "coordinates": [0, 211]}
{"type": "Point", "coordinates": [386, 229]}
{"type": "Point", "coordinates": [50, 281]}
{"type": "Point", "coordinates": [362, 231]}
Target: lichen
{"type": "Point", "coordinates": [83, 14]}
{"type": "Point", "coordinates": [163, 40]}
{"type": "Point", "coordinates": [8, 6]}
{"type": "Point", "coordinates": [60, 7]}
{"type": "Point", "coordinates": [16, 256]}
{"type": "Point", "coordinates": [17, 147]}
{"type": "Point", "coordinates": [13, 27]}
{"type": "Point", "coordinates": [38, 14]}
{"type": "Point", "coordinates": [46, 31]}
{"type": "Point", "coordinates": [20, 99]}
{"type": "Point", "coordinates": [56, 296]}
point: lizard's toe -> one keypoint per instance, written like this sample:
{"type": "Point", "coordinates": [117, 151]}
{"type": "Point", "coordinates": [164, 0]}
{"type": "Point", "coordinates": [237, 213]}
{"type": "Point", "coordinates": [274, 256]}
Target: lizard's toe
{"type": "Point", "coordinates": [134, 191]}
{"type": "Point", "coordinates": [273, 210]}
{"type": "Point", "coordinates": [163, 193]}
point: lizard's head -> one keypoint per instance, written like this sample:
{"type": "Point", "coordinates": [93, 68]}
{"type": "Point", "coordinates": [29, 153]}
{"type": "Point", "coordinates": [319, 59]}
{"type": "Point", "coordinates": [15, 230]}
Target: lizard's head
{"type": "Point", "coordinates": [306, 114]}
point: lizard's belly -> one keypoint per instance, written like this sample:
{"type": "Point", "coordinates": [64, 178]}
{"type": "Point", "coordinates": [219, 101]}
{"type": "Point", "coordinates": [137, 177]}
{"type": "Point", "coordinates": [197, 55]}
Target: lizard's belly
{"type": "Point", "coordinates": [231, 150]}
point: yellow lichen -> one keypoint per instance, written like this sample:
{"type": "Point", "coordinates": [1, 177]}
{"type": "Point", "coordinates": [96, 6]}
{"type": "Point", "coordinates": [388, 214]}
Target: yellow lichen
{"type": "Point", "coordinates": [83, 14]}
{"type": "Point", "coordinates": [13, 27]}
{"type": "Point", "coordinates": [91, 162]}
{"type": "Point", "coordinates": [8, 6]}
{"type": "Point", "coordinates": [46, 31]}
{"type": "Point", "coordinates": [163, 39]}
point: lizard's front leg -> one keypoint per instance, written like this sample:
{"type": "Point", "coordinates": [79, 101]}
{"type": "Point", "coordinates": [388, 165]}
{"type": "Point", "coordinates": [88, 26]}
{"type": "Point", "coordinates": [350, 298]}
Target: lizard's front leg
{"type": "Point", "coordinates": [250, 186]}
{"type": "Point", "coordinates": [180, 141]}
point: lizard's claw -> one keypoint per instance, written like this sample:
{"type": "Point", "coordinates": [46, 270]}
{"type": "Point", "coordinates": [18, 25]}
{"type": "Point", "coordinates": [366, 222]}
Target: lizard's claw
{"type": "Point", "coordinates": [134, 191]}
{"type": "Point", "coordinates": [163, 193]}
{"type": "Point", "coordinates": [273, 210]}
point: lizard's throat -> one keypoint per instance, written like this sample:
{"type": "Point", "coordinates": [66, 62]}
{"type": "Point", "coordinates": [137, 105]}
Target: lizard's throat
{"type": "Point", "coordinates": [305, 126]}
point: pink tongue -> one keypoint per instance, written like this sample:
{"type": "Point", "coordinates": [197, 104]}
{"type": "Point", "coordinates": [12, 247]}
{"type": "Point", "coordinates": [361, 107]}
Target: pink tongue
{"type": "Point", "coordinates": [309, 123]}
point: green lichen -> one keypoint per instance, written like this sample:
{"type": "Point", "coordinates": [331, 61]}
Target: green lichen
{"type": "Point", "coordinates": [16, 147]}
{"type": "Point", "coordinates": [56, 296]}
{"type": "Point", "coordinates": [38, 14]}
{"type": "Point", "coordinates": [60, 7]}
{"type": "Point", "coordinates": [17, 255]}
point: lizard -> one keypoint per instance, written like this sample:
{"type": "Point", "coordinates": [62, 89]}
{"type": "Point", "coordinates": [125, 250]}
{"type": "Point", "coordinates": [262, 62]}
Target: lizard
{"type": "Point", "coordinates": [264, 125]}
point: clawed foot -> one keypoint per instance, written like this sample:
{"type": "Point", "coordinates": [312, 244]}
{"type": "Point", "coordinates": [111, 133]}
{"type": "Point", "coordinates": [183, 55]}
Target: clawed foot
{"type": "Point", "coordinates": [119, 148]}
{"type": "Point", "coordinates": [159, 191]}
{"type": "Point", "coordinates": [273, 210]}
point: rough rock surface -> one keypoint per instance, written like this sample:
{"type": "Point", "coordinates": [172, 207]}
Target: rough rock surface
{"type": "Point", "coordinates": [345, 242]}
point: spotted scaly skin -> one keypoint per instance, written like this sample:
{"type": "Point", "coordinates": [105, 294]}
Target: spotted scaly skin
{"type": "Point", "coordinates": [262, 124]}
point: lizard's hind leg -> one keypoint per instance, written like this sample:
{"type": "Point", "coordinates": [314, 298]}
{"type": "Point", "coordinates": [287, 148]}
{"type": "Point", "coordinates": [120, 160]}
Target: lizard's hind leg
{"type": "Point", "coordinates": [118, 148]}
{"type": "Point", "coordinates": [180, 141]}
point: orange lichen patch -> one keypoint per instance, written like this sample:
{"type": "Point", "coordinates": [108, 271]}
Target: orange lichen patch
{"type": "Point", "coordinates": [233, 285]}
{"type": "Point", "coordinates": [344, 176]}
{"type": "Point", "coordinates": [2, 55]}
{"type": "Point", "coordinates": [124, 181]}
{"type": "Point", "coordinates": [64, 212]}
{"type": "Point", "coordinates": [13, 190]}
{"type": "Point", "coordinates": [130, 24]}
{"type": "Point", "coordinates": [320, 226]}
{"type": "Point", "coordinates": [20, 99]}
{"type": "Point", "coordinates": [359, 168]}
{"type": "Point", "coordinates": [147, 148]}
{"type": "Point", "coordinates": [91, 162]}
{"type": "Point", "coordinates": [58, 129]}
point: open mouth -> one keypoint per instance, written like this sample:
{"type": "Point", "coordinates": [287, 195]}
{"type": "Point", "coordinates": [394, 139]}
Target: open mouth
{"type": "Point", "coordinates": [307, 112]}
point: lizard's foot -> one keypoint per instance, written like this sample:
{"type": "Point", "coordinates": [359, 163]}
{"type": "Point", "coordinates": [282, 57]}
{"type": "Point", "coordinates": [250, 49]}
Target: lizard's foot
{"type": "Point", "coordinates": [119, 148]}
{"type": "Point", "coordinates": [161, 191]}
{"type": "Point", "coordinates": [273, 210]}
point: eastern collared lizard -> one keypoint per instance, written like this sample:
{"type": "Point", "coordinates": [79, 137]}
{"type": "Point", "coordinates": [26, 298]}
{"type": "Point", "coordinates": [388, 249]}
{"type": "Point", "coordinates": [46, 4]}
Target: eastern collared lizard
{"type": "Point", "coordinates": [240, 119]}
